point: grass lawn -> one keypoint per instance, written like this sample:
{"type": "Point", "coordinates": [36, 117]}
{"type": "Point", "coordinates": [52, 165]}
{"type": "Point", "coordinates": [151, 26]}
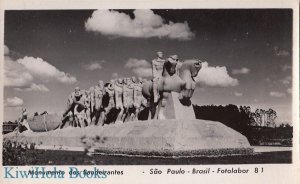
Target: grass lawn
{"type": "Point", "coordinates": [58, 157]}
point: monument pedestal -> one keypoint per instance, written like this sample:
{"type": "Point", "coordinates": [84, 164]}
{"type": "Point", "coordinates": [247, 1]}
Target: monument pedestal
{"type": "Point", "coordinates": [154, 137]}
{"type": "Point", "coordinates": [175, 110]}
{"type": "Point", "coordinates": [178, 134]}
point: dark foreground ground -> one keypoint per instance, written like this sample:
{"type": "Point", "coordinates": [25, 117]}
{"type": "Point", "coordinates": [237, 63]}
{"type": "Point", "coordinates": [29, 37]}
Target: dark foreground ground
{"type": "Point", "coordinates": [58, 157]}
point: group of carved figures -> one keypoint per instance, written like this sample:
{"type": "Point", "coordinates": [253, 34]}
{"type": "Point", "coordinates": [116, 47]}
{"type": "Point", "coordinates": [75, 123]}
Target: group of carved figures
{"type": "Point", "coordinates": [117, 101]}
{"type": "Point", "coordinates": [124, 99]}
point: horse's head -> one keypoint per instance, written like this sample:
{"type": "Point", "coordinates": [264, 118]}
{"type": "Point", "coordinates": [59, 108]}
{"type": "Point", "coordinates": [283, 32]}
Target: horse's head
{"type": "Point", "coordinates": [170, 65]}
{"type": "Point", "coordinates": [193, 66]}
{"type": "Point", "coordinates": [188, 70]}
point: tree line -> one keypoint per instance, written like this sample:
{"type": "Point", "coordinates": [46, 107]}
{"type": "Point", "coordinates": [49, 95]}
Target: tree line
{"type": "Point", "coordinates": [255, 125]}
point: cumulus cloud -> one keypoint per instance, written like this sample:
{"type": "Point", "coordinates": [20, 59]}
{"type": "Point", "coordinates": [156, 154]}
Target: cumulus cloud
{"type": "Point", "coordinates": [238, 93]}
{"type": "Point", "coordinates": [145, 24]}
{"type": "Point", "coordinates": [139, 67]}
{"type": "Point", "coordinates": [277, 94]}
{"type": "Point", "coordinates": [240, 71]}
{"type": "Point", "coordinates": [13, 102]}
{"type": "Point", "coordinates": [40, 68]}
{"type": "Point", "coordinates": [142, 72]}
{"type": "Point", "coordinates": [34, 87]}
{"type": "Point", "coordinates": [215, 76]}
{"type": "Point", "coordinates": [139, 63]}
{"type": "Point", "coordinates": [94, 65]}
{"type": "Point", "coordinates": [16, 75]}
{"type": "Point", "coordinates": [30, 74]}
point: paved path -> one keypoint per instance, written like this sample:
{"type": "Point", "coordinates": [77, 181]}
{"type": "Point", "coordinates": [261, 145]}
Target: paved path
{"type": "Point", "coordinates": [271, 148]}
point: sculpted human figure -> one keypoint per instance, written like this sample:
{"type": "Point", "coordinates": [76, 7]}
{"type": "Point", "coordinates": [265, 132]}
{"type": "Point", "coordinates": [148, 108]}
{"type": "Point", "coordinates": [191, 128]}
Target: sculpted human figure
{"type": "Point", "coordinates": [92, 101]}
{"type": "Point", "coordinates": [88, 109]}
{"type": "Point", "coordinates": [128, 98]}
{"type": "Point", "coordinates": [118, 98]}
{"type": "Point", "coordinates": [157, 69]}
{"type": "Point", "coordinates": [22, 122]}
{"type": "Point", "coordinates": [179, 63]}
{"type": "Point", "coordinates": [82, 114]}
{"type": "Point", "coordinates": [68, 120]}
{"type": "Point", "coordinates": [99, 92]}
{"type": "Point", "coordinates": [110, 90]}
{"type": "Point", "coordinates": [76, 98]}
{"type": "Point", "coordinates": [145, 101]}
{"type": "Point", "coordinates": [136, 97]}
{"type": "Point", "coordinates": [139, 101]}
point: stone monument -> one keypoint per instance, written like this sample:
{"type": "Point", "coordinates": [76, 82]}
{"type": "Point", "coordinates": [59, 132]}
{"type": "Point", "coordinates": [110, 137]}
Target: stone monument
{"type": "Point", "coordinates": [171, 130]}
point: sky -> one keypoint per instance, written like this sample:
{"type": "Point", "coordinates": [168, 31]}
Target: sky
{"type": "Point", "coordinates": [247, 54]}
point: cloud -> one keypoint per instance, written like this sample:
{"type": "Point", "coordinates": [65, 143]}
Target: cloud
{"type": "Point", "coordinates": [240, 71]}
{"type": "Point", "coordinates": [277, 94]}
{"type": "Point", "coordinates": [47, 72]}
{"type": "Point", "coordinates": [238, 94]}
{"type": "Point", "coordinates": [13, 102]}
{"type": "Point", "coordinates": [280, 52]}
{"type": "Point", "coordinates": [16, 75]}
{"type": "Point", "coordinates": [139, 67]}
{"type": "Point", "coordinates": [30, 74]}
{"type": "Point", "coordinates": [145, 24]}
{"type": "Point", "coordinates": [215, 76]}
{"type": "Point", "coordinates": [34, 87]}
{"type": "Point", "coordinates": [143, 72]}
{"type": "Point", "coordinates": [94, 65]}
{"type": "Point", "coordinates": [137, 63]}
{"type": "Point", "coordinates": [289, 90]}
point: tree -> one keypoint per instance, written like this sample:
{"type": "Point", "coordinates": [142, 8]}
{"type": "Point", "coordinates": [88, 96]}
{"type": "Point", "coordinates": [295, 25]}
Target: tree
{"type": "Point", "coordinates": [287, 125]}
{"type": "Point", "coordinates": [263, 115]}
{"type": "Point", "coordinates": [271, 116]}
{"type": "Point", "coordinates": [258, 117]}
{"type": "Point", "coordinates": [254, 119]}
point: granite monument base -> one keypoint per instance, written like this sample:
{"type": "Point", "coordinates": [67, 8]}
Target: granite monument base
{"type": "Point", "coordinates": [171, 137]}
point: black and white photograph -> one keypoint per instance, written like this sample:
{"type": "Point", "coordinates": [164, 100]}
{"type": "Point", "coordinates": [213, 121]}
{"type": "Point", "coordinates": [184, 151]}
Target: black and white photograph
{"type": "Point", "coordinates": [148, 87]}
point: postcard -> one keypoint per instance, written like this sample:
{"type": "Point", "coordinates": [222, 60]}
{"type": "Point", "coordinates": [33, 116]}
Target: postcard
{"type": "Point", "coordinates": [149, 91]}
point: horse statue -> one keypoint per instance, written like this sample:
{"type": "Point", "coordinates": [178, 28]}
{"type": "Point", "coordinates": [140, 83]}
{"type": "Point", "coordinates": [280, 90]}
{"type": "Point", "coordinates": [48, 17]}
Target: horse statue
{"type": "Point", "coordinates": [174, 79]}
